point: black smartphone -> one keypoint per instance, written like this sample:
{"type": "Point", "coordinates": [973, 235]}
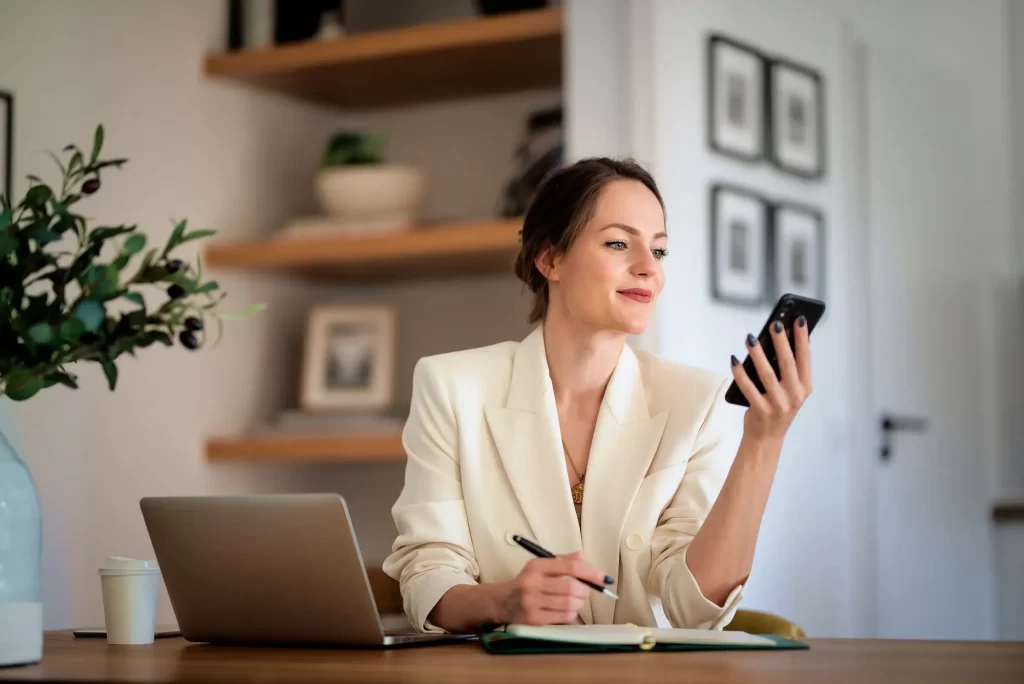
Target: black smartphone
{"type": "Point", "coordinates": [788, 309]}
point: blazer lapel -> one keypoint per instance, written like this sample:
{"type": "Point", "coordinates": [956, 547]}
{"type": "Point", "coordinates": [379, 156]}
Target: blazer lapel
{"type": "Point", "coordinates": [527, 436]}
{"type": "Point", "coordinates": [625, 441]}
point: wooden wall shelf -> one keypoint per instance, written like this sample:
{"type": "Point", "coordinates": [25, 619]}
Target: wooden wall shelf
{"type": "Point", "coordinates": [451, 249]}
{"type": "Point", "coordinates": [466, 57]}
{"type": "Point", "coordinates": [312, 448]}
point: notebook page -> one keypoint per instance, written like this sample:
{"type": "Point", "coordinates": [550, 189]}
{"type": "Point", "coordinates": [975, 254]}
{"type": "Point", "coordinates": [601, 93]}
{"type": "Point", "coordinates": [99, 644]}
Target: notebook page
{"type": "Point", "coordinates": [629, 635]}
{"type": "Point", "coordinates": [707, 636]}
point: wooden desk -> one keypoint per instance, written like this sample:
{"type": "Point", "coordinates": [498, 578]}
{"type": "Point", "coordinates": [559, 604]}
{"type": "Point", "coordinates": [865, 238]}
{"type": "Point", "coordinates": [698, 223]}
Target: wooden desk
{"type": "Point", "coordinates": [67, 659]}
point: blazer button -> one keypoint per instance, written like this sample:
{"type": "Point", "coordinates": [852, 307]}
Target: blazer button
{"type": "Point", "coordinates": [509, 539]}
{"type": "Point", "coordinates": [634, 541]}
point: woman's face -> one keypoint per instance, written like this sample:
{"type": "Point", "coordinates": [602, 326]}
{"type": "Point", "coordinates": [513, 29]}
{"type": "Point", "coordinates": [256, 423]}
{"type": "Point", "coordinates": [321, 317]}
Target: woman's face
{"type": "Point", "coordinates": [612, 274]}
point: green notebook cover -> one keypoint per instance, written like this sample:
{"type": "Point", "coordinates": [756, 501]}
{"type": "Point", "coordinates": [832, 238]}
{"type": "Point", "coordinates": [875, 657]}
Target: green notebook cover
{"type": "Point", "coordinates": [502, 643]}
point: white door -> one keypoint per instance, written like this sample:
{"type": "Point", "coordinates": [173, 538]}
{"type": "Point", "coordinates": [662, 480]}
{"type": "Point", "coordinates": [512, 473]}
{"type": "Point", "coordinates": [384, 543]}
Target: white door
{"type": "Point", "coordinates": [932, 531]}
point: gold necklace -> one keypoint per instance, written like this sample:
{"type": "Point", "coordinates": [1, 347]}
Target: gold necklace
{"type": "Point", "coordinates": [577, 489]}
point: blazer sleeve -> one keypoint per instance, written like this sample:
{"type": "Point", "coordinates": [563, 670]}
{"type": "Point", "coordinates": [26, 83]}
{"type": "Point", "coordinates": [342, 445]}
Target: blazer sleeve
{"type": "Point", "coordinates": [670, 578]}
{"type": "Point", "coordinates": [433, 550]}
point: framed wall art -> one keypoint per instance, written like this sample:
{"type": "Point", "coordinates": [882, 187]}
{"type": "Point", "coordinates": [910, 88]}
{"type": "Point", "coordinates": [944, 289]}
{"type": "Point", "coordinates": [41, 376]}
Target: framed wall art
{"type": "Point", "coordinates": [796, 123]}
{"type": "Point", "coordinates": [349, 362]}
{"type": "Point", "coordinates": [797, 250]}
{"type": "Point", "coordinates": [739, 245]}
{"type": "Point", "coordinates": [6, 144]}
{"type": "Point", "coordinates": [735, 93]}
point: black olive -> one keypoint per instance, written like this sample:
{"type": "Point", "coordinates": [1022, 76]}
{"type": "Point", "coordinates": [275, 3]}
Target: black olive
{"type": "Point", "coordinates": [188, 340]}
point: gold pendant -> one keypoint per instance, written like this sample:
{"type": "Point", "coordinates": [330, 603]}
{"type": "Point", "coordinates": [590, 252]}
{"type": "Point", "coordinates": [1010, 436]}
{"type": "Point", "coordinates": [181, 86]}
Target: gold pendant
{"type": "Point", "coordinates": [577, 493]}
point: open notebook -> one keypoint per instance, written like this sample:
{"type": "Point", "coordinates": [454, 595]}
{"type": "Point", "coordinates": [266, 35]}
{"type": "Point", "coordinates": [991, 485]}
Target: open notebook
{"type": "Point", "coordinates": [598, 638]}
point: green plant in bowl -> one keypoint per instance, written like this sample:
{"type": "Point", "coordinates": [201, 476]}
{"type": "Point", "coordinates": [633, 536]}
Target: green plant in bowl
{"type": "Point", "coordinates": [348, 148]}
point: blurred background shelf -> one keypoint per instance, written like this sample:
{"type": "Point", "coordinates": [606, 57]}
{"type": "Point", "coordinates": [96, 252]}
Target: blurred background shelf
{"type": "Point", "coordinates": [451, 249]}
{"type": "Point", "coordinates": [479, 56]}
{"type": "Point", "coordinates": [364, 447]}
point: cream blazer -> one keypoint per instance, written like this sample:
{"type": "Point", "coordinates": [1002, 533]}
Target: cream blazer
{"type": "Point", "coordinates": [485, 462]}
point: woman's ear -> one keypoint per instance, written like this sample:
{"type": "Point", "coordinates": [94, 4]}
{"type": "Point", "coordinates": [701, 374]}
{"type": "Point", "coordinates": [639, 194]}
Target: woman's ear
{"type": "Point", "coordinates": [545, 263]}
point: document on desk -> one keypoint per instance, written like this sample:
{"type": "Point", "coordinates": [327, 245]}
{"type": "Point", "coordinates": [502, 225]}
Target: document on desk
{"type": "Point", "coordinates": [598, 638]}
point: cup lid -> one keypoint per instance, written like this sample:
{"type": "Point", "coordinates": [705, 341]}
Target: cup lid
{"type": "Point", "coordinates": [122, 563]}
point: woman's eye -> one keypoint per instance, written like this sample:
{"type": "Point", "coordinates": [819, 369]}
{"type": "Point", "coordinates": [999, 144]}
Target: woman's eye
{"type": "Point", "coordinates": [660, 253]}
{"type": "Point", "coordinates": [616, 244]}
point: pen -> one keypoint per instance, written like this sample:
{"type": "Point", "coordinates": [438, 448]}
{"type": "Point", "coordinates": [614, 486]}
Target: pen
{"type": "Point", "coordinates": [539, 551]}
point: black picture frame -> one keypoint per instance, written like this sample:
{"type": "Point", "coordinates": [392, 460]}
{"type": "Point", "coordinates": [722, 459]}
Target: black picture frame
{"type": "Point", "coordinates": [777, 260]}
{"type": "Point", "coordinates": [813, 167]}
{"type": "Point", "coordinates": [756, 253]}
{"type": "Point", "coordinates": [716, 44]}
{"type": "Point", "coordinates": [7, 147]}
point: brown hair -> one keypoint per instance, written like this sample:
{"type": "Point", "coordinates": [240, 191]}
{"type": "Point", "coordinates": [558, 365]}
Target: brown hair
{"type": "Point", "coordinates": [563, 204]}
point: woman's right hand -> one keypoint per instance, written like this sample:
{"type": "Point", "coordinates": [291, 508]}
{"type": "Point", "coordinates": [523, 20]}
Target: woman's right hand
{"type": "Point", "coordinates": [546, 592]}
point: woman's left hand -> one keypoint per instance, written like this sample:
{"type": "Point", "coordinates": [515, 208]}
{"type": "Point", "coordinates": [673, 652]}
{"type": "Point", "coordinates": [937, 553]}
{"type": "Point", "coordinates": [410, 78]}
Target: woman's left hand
{"type": "Point", "coordinates": [771, 414]}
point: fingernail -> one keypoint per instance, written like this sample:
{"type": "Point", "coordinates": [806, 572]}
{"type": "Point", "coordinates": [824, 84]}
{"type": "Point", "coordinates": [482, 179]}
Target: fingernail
{"type": "Point", "coordinates": [778, 326]}
{"type": "Point", "coordinates": [802, 321]}
{"type": "Point", "coordinates": [608, 579]}
{"type": "Point", "coordinates": [735, 361]}
{"type": "Point", "coordinates": [751, 340]}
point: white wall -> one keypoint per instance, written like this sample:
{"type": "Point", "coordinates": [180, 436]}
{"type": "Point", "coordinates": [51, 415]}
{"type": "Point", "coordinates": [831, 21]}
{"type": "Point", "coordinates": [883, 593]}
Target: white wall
{"type": "Point", "coordinates": [1012, 475]}
{"type": "Point", "coordinates": [240, 161]}
{"type": "Point", "coordinates": [814, 559]}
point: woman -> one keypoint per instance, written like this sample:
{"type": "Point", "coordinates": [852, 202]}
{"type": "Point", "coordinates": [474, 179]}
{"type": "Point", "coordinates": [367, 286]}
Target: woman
{"type": "Point", "coordinates": [615, 459]}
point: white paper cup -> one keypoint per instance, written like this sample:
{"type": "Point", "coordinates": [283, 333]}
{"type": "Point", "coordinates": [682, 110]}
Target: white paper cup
{"type": "Point", "coordinates": [130, 591]}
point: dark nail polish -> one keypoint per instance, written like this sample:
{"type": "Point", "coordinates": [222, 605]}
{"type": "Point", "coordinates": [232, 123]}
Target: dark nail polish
{"type": "Point", "coordinates": [608, 579]}
{"type": "Point", "coordinates": [802, 321]}
{"type": "Point", "coordinates": [751, 340]}
{"type": "Point", "coordinates": [778, 326]}
{"type": "Point", "coordinates": [735, 361]}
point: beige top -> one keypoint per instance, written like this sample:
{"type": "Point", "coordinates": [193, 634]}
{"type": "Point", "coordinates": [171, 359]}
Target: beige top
{"type": "Point", "coordinates": [483, 454]}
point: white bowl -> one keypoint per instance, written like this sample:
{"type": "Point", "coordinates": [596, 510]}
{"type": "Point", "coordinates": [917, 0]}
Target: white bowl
{"type": "Point", "coordinates": [371, 193]}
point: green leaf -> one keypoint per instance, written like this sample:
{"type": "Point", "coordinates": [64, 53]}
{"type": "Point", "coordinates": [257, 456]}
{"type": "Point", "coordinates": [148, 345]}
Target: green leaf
{"type": "Point", "coordinates": [172, 241]}
{"type": "Point", "coordinates": [5, 218]}
{"type": "Point", "coordinates": [38, 195]}
{"type": "Point", "coordinates": [109, 370]}
{"type": "Point", "coordinates": [76, 162]}
{"type": "Point", "coordinates": [66, 379]}
{"type": "Point", "coordinates": [248, 311]}
{"type": "Point", "coordinates": [8, 243]}
{"type": "Point", "coordinates": [207, 287]}
{"type": "Point", "coordinates": [195, 235]}
{"type": "Point", "coordinates": [134, 297]}
{"type": "Point", "coordinates": [135, 244]}
{"type": "Point", "coordinates": [25, 389]}
{"type": "Point", "coordinates": [91, 314]}
{"type": "Point", "coordinates": [184, 282]}
{"type": "Point", "coordinates": [101, 234]}
{"type": "Point", "coordinates": [97, 144]}
{"type": "Point", "coordinates": [161, 337]}
{"type": "Point", "coordinates": [71, 330]}
{"type": "Point", "coordinates": [41, 333]}
{"type": "Point", "coordinates": [83, 262]}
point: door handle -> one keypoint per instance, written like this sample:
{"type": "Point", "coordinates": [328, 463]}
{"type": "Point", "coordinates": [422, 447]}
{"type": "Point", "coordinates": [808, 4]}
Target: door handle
{"type": "Point", "coordinates": [892, 423]}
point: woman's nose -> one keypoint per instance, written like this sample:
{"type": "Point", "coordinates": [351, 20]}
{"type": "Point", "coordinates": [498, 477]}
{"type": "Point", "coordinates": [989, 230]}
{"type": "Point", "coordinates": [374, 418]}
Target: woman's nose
{"type": "Point", "coordinates": [645, 265]}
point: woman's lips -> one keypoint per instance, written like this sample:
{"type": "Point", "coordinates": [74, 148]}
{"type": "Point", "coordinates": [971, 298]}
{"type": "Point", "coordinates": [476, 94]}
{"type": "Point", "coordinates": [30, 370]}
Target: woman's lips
{"type": "Point", "coordinates": [637, 294]}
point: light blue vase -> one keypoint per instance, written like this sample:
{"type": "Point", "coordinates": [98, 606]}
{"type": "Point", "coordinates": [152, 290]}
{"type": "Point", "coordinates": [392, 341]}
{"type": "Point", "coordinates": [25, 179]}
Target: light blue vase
{"type": "Point", "coordinates": [21, 545]}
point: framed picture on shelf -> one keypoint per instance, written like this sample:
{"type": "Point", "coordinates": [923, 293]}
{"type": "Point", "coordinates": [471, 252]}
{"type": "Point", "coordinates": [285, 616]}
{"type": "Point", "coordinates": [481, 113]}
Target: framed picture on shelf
{"type": "Point", "coordinates": [736, 92]}
{"type": "Point", "coordinates": [797, 121]}
{"type": "Point", "coordinates": [349, 361]}
{"type": "Point", "coordinates": [739, 245]}
{"type": "Point", "coordinates": [798, 250]}
{"type": "Point", "coordinates": [6, 144]}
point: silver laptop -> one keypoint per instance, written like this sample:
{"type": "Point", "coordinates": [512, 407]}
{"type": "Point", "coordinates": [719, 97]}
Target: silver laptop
{"type": "Point", "coordinates": [273, 569]}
